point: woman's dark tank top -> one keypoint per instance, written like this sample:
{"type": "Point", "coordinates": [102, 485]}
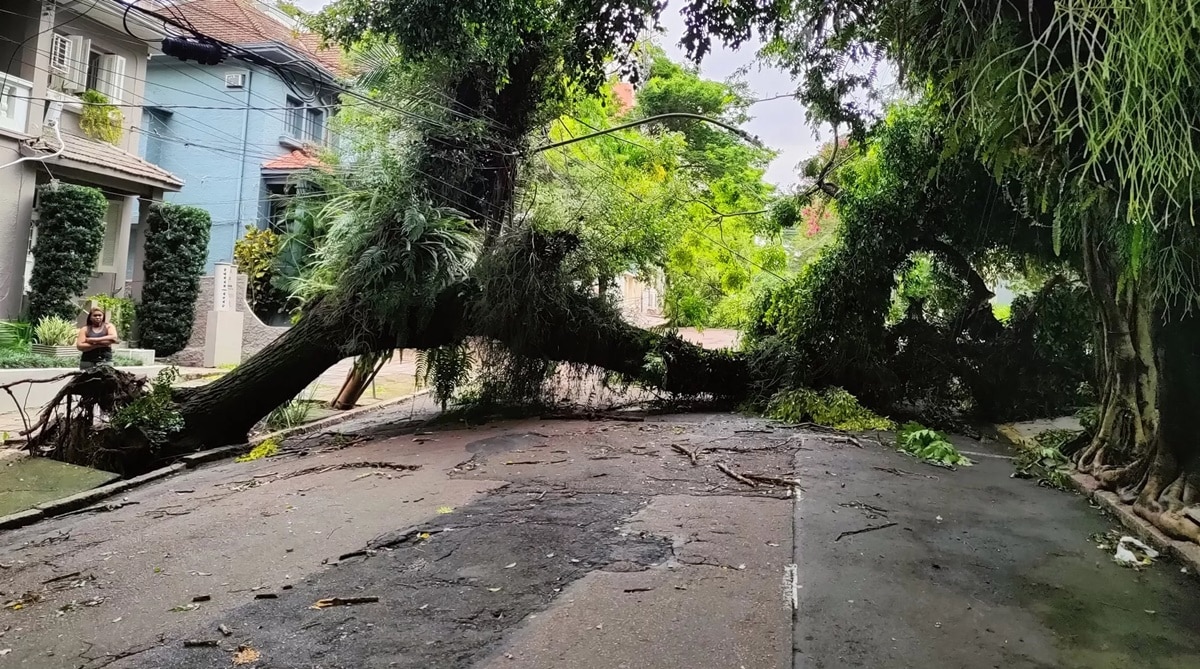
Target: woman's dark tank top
{"type": "Point", "coordinates": [100, 353]}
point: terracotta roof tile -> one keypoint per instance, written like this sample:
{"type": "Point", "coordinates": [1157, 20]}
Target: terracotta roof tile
{"type": "Point", "coordinates": [296, 160]}
{"type": "Point", "coordinates": [623, 92]}
{"type": "Point", "coordinates": [101, 154]}
{"type": "Point", "coordinates": [241, 22]}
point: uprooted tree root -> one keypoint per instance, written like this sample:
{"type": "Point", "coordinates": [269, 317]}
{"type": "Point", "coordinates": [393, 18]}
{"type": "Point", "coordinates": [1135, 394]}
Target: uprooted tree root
{"type": "Point", "coordinates": [76, 425]}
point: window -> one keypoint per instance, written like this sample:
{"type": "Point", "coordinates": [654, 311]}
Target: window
{"type": "Point", "coordinates": [305, 123]}
{"type": "Point", "coordinates": [295, 118]}
{"type": "Point", "coordinates": [74, 68]}
{"type": "Point", "coordinates": [316, 125]}
{"type": "Point", "coordinates": [93, 70]}
{"type": "Point", "coordinates": [69, 59]}
{"type": "Point", "coordinates": [112, 235]}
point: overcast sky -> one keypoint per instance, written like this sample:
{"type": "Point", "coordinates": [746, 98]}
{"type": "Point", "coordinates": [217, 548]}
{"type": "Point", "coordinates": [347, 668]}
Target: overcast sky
{"type": "Point", "coordinates": [780, 124]}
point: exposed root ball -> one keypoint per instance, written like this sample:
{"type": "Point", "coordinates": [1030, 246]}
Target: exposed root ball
{"type": "Point", "coordinates": [76, 426]}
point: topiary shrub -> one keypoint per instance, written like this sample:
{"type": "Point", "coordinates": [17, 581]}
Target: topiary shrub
{"type": "Point", "coordinates": [70, 234]}
{"type": "Point", "coordinates": [176, 249]}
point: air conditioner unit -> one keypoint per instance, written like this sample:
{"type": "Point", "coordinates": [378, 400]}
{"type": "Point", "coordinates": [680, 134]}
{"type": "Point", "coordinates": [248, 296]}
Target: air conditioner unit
{"type": "Point", "coordinates": [235, 80]}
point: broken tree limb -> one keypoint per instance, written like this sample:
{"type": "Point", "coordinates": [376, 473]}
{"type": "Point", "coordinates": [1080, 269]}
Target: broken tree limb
{"type": "Point", "coordinates": [342, 601]}
{"type": "Point", "coordinates": [736, 476]}
{"type": "Point", "coordinates": [773, 480]}
{"type": "Point", "coordinates": [693, 455]}
{"type": "Point", "coordinates": [864, 530]}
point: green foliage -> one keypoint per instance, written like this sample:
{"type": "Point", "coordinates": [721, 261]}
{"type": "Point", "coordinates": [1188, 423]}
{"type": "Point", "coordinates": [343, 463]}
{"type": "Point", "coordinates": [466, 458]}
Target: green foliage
{"type": "Point", "coordinates": [15, 335]}
{"type": "Point", "coordinates": [930, 446]}
{"type": "Point", "coordinates": [293, 412]}
{"type": "Point", "coordinates": [23, 359]}
{"type": "Point", "coordinates": [445, 369]}
{"type": "Point", "coordinates": [55, 331]}
{"type": "Point", "coordinates": [120, 311]}
{"type": "Point", "coordinates": [913, 328]}
{"type": "Point", "coordinates": [678, 202]}
{"type": "Point", "coordinates": [1046, 462]}
{"type": "Point", "coordinates": [70, 235]}
{"type": "Point", "coordinates": [256, 255]}
{"type": "Point", "coordinates": [100, 119]}
{"type": "Point", "coordinates": [575, 39]}
{"type": "Point", "coordinates": [833, 407]}
{"type": "Point", "coordinates": [154, 413]}
{"type": "Point", "coordinates": [176, 249]}
{"type": "Point", "coordinates": [1089, 418]}
{"type": "Point", "coordinates": [1002, 312]}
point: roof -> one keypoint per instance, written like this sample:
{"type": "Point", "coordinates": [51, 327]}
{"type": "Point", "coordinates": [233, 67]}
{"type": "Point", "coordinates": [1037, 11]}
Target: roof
{"type": "Point", "coordinates": [89, 153]}
{"type": "Point", "coordinates": [243, 22]}
{"type": "Point", "coordinates": [623, 92]}
{"type": "Point", "coordinates": [296, 160]}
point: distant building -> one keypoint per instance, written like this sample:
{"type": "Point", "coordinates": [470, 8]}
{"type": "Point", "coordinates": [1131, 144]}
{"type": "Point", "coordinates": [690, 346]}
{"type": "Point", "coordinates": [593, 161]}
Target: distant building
{"type": "Point", "coordinates": [52, 52]}
{"type": "Point", "coordinates": [269, 120]}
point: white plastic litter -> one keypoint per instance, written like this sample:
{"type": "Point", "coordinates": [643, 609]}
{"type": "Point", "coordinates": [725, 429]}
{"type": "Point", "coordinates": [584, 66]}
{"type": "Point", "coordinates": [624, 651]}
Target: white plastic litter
{"type": "Point", "coordinates": [1132, 552]}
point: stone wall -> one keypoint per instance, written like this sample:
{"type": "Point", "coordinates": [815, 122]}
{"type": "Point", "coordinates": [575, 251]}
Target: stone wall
{"type": "Point", "coordinates": [255, 334]}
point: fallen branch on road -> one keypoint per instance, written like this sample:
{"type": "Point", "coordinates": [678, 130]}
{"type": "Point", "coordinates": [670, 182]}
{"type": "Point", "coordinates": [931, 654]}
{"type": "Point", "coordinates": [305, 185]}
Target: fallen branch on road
{"type": "Point", "coordinates": [343, 601]}
{"type": "Point", "coordinates": [693, 455]}
{"type": "Point", "coordinates": [736, 476]}
{"type": "Point", "coordinates": [865, 529]}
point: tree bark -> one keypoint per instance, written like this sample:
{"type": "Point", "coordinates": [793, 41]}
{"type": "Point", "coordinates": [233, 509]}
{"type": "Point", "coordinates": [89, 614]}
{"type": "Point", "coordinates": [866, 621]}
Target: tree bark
{"type": "Point", "coordinates": [1144, 446]}
{"type": "Point", "coordinates": [223, 411]}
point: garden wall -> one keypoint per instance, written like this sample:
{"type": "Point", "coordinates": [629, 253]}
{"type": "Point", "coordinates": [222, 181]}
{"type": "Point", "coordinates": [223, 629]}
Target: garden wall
{"type": "Point", "coordinates": [255, 334]}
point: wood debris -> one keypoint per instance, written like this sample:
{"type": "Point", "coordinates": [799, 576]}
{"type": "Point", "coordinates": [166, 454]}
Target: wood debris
{"type": "Point", "coordinates": [865, 529]}
{"type": "Point", "coordinates": [342, 601]}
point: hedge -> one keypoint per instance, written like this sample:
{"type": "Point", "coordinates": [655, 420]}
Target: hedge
{"type": "Point", "coordinates": [70, 235]}
{"type": "Point", "coordinates": [176, 249]}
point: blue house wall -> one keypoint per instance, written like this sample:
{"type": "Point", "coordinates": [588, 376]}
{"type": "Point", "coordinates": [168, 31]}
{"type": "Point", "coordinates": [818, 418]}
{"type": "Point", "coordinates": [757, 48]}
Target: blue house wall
{"type": "Point", "coordinates": [218, 153]}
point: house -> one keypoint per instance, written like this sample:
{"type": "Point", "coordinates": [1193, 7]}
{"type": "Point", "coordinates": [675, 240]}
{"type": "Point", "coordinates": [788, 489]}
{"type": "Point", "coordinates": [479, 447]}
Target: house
{"type": "Point", "coordinates": [51, 53]}
{"type": "Point", "coordinates": [236, 132]}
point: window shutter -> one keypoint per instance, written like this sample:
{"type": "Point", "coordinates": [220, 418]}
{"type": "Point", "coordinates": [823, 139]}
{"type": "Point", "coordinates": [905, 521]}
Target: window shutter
{"type": "Point", "coordinates": [81, 51]}
{"type": "Point", "coordinates": [60, 55]}
{"type": "Point", "coordinates": [110, 80]}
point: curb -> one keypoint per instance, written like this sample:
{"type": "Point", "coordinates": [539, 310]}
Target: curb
{"type": "Point", "coordinates": [317, 426]}
{"type": "Point", "coordinates": [1186, 553]}
{"type": "Point", "coordinates": [190, 461]}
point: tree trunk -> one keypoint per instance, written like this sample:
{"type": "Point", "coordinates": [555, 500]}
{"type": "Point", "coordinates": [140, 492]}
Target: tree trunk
{"type": "Point", "coordinates": [361, 375]}
{"type": "Point", "coordinates": [1144, 447]}
{"type": "Point", "coordinates": [575, 332]}
{"type": "Point", "coordinates": [223, 411]}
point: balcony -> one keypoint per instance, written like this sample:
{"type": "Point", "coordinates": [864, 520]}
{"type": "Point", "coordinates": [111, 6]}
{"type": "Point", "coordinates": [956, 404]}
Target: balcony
{"type": "Point", "coordinates": [14, 103]}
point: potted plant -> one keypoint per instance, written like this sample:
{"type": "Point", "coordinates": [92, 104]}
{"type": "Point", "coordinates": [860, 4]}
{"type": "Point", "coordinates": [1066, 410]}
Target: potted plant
{"type": "Point", "coordinates": [55, 337]}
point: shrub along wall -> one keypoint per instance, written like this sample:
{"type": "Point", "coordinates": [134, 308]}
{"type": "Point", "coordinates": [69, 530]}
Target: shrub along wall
{"type": "Point", "coordinates": [176, 248]}
{"type": "Point", "coordinates": [70, 234]}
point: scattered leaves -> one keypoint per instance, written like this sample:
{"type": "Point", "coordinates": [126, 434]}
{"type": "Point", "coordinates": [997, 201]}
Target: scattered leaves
{"type": "Point", "coordinates": [246, 655]}
{"type": "Point", "coordinates": [266, 449]}
{"type": "Point", "coordinates": [930, 446]}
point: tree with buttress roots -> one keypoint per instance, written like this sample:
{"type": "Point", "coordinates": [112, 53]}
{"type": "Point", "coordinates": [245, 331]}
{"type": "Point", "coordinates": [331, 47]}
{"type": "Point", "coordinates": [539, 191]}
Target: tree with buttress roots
{"type": "Point", "coordinates": [1090, 110]}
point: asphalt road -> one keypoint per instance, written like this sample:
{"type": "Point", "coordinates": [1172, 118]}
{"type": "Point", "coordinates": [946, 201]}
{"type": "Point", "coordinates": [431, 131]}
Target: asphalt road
{"type": "Point", "coordinates": [577, 544]}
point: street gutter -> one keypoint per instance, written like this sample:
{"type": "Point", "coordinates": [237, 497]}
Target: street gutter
{"type": "Point", "coordinates": [1185, 552]}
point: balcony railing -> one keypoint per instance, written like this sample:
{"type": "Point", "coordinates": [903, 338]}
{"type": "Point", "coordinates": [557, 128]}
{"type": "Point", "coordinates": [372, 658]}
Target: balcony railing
{"type": "Point", "coordinates": [14, 103]}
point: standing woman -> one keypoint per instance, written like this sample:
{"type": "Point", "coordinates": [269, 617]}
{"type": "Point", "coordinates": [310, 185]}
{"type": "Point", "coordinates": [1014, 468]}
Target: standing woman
{"type": "Point", "coordinates": [96, 340]}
